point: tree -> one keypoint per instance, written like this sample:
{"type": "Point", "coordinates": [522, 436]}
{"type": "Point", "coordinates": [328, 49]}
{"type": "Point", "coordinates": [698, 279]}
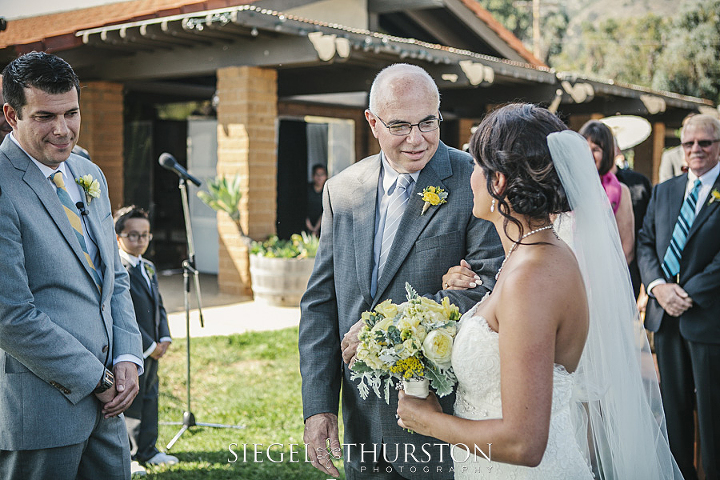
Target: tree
{"type": "Point", "coordinates": [690, 61]}
{"type": "Point", "coordinates": [518, 19]}
{"type": "Point", "coordinates": [680, 54]}
{"type": "Point", "coordinates": [621, 50]}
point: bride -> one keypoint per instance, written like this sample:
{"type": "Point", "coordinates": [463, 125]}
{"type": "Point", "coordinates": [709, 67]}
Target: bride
{"type": "Point", "coordinates": [555, 378]}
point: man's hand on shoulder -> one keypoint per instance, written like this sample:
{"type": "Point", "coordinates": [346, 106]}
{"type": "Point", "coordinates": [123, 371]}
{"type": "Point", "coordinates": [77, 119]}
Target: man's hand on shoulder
{"type": "Point", "coordinates": [126, 388]}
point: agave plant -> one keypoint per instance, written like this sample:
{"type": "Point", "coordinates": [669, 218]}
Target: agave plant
{"type": "Point", "coordinates": [224, 195]}
{"type": "Point", "coordinates": [303, 245]}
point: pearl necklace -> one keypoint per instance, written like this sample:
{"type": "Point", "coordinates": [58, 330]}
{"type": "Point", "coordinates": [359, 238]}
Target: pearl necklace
{"type": "Point", "coordinates": [512, 249]}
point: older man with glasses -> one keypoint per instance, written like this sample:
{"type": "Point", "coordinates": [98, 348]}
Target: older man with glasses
{"type": "Point", "coordinates": [679, 259]}
{"type": "Point", "coordinates": [376, 236]}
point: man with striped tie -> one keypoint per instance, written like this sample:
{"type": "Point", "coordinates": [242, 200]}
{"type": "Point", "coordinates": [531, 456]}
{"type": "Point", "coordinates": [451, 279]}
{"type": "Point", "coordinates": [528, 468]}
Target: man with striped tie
{"type": "Point", "coordinates": [70, 348]}
{"type": "Point", "coordinates": [679, 259]}
{"type": "Point", "coordinates": [376, 236]}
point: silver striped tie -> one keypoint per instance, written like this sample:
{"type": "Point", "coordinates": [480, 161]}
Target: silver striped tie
{"type": "Point", "coordinates": [395, 209]}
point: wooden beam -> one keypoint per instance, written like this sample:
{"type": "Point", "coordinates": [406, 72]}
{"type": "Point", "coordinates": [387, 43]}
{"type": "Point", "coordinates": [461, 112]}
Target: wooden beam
{"type": "Point", "coordinates": [658, 145]}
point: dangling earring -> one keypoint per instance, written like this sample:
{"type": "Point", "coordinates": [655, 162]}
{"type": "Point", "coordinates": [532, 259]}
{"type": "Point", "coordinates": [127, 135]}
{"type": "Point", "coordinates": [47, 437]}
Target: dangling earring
{"type": "Point", "coordinates": [492, 206]}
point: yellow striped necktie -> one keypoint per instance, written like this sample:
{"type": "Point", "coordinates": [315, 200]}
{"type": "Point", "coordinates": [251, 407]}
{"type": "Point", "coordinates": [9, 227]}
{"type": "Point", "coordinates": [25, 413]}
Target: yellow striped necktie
{"type": "Point", "coordinates": [75, 222]}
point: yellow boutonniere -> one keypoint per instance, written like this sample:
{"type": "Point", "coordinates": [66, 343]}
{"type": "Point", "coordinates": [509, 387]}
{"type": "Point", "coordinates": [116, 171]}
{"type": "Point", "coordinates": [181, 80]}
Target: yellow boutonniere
{"type": "Point", "coordinates": [432, 196]}
{"type": "Point", "coordinates": [91, 187]}
{"type": "Point", "coordinates": [149, 270]}
{"type": "Point", "coordinates": [714, 195]}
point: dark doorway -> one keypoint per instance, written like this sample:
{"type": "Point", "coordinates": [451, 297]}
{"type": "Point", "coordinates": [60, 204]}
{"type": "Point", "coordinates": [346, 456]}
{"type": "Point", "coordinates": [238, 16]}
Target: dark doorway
{"type": "Point", "coordinates": [155, 189]}
{"type": "Point", "coordinates": [292, 174]}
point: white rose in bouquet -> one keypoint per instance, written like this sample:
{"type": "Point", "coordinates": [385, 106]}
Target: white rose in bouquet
{"type": "Point", "coordinates": [438, 348]}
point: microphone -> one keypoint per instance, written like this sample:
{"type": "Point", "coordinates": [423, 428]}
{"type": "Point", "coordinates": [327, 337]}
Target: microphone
{"type": "Point", "coordinates": [168, 161]}
{"type": "Point", "coordinates": [80, 206]}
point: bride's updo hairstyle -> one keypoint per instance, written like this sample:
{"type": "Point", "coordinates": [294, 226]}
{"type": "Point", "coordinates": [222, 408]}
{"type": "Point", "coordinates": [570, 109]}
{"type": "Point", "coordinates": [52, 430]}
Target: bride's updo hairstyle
{"type": "Point", "coordinates": [512, 140]}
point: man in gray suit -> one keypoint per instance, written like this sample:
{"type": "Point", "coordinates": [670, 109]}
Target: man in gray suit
{"type": "Point", "coordinates": [368, 250]}
{"type": "Point", "coordinates": [70, 348]}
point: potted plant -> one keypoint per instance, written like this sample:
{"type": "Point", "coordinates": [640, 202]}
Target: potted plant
{"type": "Point", "coordinates": [280, 269]}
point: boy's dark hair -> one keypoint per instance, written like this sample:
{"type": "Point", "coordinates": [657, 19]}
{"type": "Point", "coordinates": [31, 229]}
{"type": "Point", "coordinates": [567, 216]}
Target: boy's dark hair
{"type": "Point", "coordinates": [125, 213]}
{"type": "Point", "coordinates": [40, 70]}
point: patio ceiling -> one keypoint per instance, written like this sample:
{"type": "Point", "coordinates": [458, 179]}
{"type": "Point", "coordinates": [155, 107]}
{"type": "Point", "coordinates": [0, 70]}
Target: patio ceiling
{"type": "Point", "coordinates": [175, 57]}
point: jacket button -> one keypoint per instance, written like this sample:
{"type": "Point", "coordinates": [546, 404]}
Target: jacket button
{"type": "Point", "coordinates": [105, 349]}
{"type": "Point", "coordinates": [102, 307]}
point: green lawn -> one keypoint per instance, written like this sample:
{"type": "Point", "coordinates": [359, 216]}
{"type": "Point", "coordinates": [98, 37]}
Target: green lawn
{"type": "Point", "coordinates": [250, 379]}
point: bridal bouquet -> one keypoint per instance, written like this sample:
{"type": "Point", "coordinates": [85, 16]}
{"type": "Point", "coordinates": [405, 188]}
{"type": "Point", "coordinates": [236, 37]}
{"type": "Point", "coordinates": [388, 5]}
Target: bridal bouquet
{"type": "Point", "coordinates": [407, 342]}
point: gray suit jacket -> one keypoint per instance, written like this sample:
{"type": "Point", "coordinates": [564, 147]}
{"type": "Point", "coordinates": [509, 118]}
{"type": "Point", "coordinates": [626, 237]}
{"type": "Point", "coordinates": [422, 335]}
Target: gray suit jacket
{"type": "Point", "coordinates": [339, 288]}
{"type": "Point", "coordinates": [57, 331]}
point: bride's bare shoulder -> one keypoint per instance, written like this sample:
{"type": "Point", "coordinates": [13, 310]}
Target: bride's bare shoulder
{"type": "Point", "coordinates": [546, 274]}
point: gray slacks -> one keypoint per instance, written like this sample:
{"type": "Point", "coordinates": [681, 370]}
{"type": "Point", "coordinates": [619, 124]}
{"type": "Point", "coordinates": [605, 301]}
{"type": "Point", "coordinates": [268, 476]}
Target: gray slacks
{"type": "Point", "coordinates": [104, 455]}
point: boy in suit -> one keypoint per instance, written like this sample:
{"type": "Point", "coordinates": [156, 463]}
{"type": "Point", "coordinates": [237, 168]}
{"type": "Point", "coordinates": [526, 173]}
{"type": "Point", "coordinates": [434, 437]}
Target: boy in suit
{"type": "Point", "coordinates": [132, 228]}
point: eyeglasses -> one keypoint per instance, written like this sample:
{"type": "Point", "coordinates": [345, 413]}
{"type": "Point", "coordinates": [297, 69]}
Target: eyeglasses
{"type": "Point", "coordinates": [404, 128]}
{"type": "Point", "coordinates": [134, 236]}
{"type": "Point", "coordinates": [702, 143]}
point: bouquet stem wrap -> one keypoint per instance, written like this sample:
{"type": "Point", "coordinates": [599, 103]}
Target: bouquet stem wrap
{"type": "Point", "coordinates": [417, 387]}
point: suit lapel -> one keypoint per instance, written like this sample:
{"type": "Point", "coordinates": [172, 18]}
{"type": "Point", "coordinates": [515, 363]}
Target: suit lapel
{"type": "Point", "coordinates": [674, 198]}
{"type": "Point", "coordinates": [48, 197]}
{"type": "Point", "coordinates": [154, 294]}
{"type": "Point", "coordinates": [92, 220]}
{"type": "Point", "coordinates": [138, 275]}
{"type": "Point", "coordinates": [365, 196]}
{"type": "Point", "coordinates": [413, 223]}
{"type": "Point", "coordinates": [138, 284]}
{"type": "Point", "coordinates": [705, 210]}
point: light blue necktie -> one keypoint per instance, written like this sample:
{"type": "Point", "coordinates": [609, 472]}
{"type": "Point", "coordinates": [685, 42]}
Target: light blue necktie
{"type": "Point", "coordinates": [75, 222]}
{"type": "Point", "coordinates": [671, 261]}
{"type": "Point", "coordinates": [395, 209]}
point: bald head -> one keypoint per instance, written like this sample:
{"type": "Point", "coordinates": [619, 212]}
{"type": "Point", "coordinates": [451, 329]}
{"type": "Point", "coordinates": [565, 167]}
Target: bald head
{"type": "Point", "coordinates": [396, 80]}
{"type": "Point", "coordinates": [405, 96]}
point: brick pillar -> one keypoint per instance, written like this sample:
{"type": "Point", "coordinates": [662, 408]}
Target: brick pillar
{"type": "Point", "coordinates": [247, 117]}
{"type": "Point", "coordinates": [101, 132]}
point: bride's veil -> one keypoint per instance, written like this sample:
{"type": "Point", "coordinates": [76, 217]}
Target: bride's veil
{"type": "Point", "coordinates": [618, 412]}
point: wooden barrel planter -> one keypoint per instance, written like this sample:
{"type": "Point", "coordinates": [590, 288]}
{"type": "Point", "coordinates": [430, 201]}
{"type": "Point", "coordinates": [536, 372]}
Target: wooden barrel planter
{"type": "Point", "coordinates": [280, 281]}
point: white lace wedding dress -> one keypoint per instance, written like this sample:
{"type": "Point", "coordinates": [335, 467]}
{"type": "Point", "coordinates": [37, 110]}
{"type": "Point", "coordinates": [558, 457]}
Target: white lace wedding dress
{"type": "Point", "coordinates": [476, 362]}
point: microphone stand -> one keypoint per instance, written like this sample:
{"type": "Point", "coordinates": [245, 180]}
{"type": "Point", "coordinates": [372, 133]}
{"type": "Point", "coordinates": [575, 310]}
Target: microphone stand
{"type": "Point", "coordinates": [188, 269]}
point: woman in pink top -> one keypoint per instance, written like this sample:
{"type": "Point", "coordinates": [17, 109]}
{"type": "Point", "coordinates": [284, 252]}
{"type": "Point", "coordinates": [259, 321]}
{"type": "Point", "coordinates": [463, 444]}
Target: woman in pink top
{"type": "Point", "coordinates": [602, 145]}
